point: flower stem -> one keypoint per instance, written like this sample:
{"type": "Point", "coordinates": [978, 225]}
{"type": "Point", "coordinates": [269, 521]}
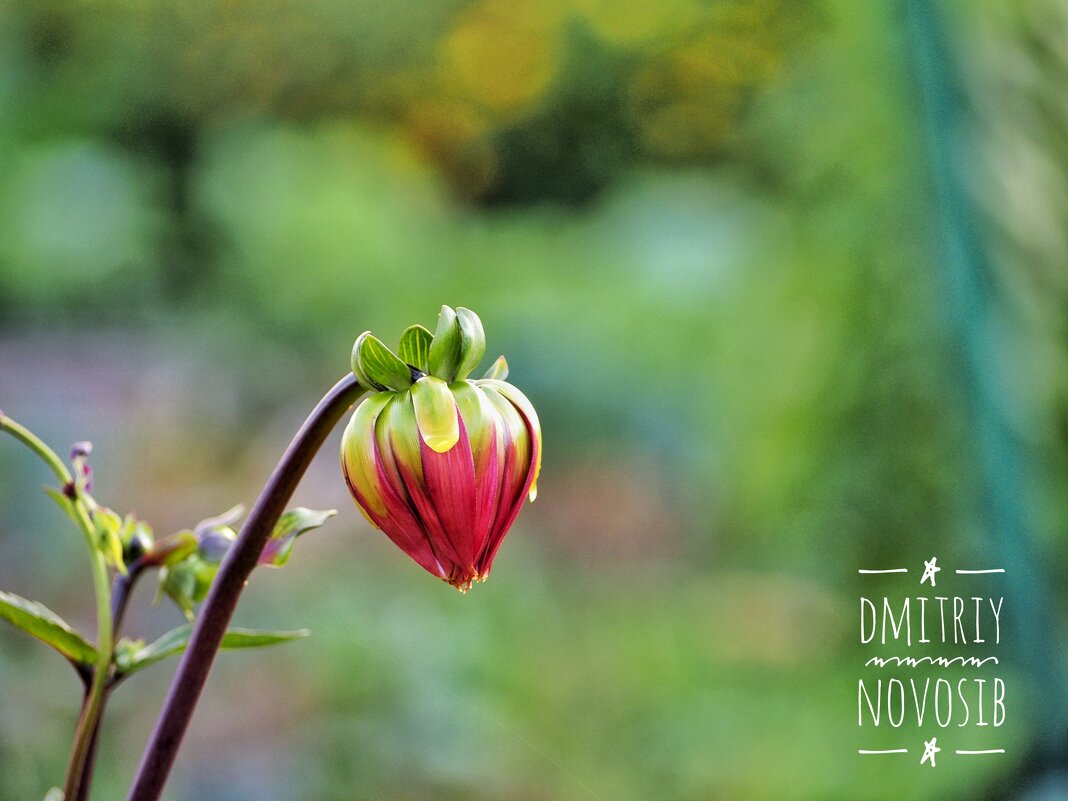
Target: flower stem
{"type": "Point", "coordinates": [120, 595]}
{"type": "Point", "coordinates": [159, 755]}
{"type": "Point", "coordinates": [94, 705]}
{"type": "Point", "coordinates": [35, 444]}
{"type": "Point", "coordinates": [94, 700]}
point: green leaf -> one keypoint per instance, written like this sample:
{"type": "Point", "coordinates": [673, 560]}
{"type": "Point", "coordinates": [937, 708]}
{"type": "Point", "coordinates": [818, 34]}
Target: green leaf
{"type": "Point", "coordinates": [41, 622]}
{"type": "Point", "coordinates": [435, 413]}
{"type": "Point", "coordinates": [415, 347]}
{"type": "Point", "coordinates": [380, 365]}
{"type": "Point", "coordinates": [498, 370]}
{"type": "Point", "coordinates": [444, 355]}
{"type": "Point", "coordinates": [290, 526]}
{"type": "Point", "coordinates": [472, 344]}
{"type": "Point", "coordinates": [130, 659]}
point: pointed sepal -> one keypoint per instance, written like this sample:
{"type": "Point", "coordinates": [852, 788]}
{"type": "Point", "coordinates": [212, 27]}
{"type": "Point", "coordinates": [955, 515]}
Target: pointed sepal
{"type": "Point", "coordinates": [414, 347]}
{"type": "Point", "coordinates": [498, 371]}
{"type": "Point", "coordinates": [444, 355]}
{"type": "Point", "coordinates": [472, 342]}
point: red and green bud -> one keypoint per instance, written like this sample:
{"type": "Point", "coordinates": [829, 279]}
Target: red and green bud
{"type": "Point", "coordinates": [442, 464]}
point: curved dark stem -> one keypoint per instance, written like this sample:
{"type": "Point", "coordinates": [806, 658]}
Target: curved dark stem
{"type": "Point", "coordinates": [120, 596]}
{"type": "Point", "coordinates": [219, 607]}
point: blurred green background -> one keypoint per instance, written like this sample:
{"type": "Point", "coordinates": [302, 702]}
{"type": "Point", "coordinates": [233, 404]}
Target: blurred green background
{"type": "Point", "coordinates": [705, 235]}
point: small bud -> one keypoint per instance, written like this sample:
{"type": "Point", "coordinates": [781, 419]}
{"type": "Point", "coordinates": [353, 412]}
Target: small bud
{"type": "Point", "coordinates": [214, 543]}
{"type": "Point", "coordinates": [83, 473]}
{"type": "Point", "coordinates": [79, 450]}
{"type": "Point", "coordinates": [214, 535]}
{"type": "Point", "coordinates": [136, 539]}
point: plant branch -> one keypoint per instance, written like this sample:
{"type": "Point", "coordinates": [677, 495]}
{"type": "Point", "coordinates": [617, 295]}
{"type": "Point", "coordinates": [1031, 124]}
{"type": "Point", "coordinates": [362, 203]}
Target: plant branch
{"type": "Point", "coordinates": [95, 697]}
{"type": "Point", "coordinates": [120, 596]}
{"type": "Point", "coordinates": [35, 444]}
{"type": "Point", "coordinates": [219, 606]}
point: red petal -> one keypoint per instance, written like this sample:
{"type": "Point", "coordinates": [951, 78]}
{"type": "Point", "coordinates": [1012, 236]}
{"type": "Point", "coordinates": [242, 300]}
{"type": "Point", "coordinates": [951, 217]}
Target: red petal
{"type": "Point", "coordinates": [510, 501]}
{"type": "Point", "coordinates": [449, 478]}
{"type": "Point", "coordinates": [487, 490]}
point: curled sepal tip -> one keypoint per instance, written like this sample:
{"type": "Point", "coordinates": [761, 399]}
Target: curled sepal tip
{"type": "Point", "coordinates": [435, 413]}
{"type": "Point", "coordinates": [498, 370]}
{"type": "Point", "coordinates": [472, 342]}
{"type": "Point", "coordinates": [378, 368]}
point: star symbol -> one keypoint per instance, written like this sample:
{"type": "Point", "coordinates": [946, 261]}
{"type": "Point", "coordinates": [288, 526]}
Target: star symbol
{"type": "Point", "coordinates": [929, 570]}
{"type": "Point", "coordinates": [930, 748]}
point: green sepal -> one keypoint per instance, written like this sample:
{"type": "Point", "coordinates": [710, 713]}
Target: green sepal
{"type": "Point", "coordinates": [444, 355]}
{"type": "Point", "coordinates": [109, 527]}
{"type": "Point", "coordinates": [415, 347]}
{"type": "Point", "coordinates": [187, 582]}
{"type": "Point", "coordinates": [497, 371]}
{"type": "Point", "coordinates": [132, 656]}
{"type": "Point", "coordinates": [137, 539]}
{"type": "Point", "coordinates": [435, 413]}
{"type": "Point", "coordinates": [39, 621]}
{"type": "Point", "coordinates": [380, 365]}
{"type": "Point", "coordinates": [472, 342]}
{"type": "Point", "coordinates": [173, 549]}
{"type": "Point", "coordinates": [357, 369]}
{"type": "Point", "coordinates": [290, 526]}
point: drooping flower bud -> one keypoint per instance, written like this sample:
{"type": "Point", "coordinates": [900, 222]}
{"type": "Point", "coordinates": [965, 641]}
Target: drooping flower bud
{"type": "Point", "coordinates": [440, 463]}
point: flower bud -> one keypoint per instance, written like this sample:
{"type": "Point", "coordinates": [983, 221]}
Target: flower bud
{"type": "Point", "coordinates": [137, 540]}
{"type": "Point", "coordinates": [440, 463]}
{"type": "Point", "coordinates": [189, 560]}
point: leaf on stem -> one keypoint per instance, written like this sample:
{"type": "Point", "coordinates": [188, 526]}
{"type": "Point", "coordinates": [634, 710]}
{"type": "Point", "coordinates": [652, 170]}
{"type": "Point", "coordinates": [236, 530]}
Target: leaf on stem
{"type": "Point", "coordinates": [290, 526]}
{"type": "Point", "coordinates": [131, 657]}
{"type": "Point", "coordinates": [41, 622]}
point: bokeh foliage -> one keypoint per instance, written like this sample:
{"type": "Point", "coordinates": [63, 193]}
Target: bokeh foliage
{"type": "Point", "coordinates": [701, 232]}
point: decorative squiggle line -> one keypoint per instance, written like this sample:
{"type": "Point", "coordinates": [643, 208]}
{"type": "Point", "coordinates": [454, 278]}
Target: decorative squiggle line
{"type": "Point", "coordinates": [934, 661]}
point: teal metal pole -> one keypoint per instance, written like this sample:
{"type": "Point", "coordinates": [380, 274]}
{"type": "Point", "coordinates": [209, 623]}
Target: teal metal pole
{"type": "Point", "coordinates": [972, 305]}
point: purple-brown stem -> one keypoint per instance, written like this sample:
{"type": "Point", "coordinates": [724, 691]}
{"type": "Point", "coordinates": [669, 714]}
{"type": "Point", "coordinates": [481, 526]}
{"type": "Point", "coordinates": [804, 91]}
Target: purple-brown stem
{"type": "Point", "coordinates": [218, 608]}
